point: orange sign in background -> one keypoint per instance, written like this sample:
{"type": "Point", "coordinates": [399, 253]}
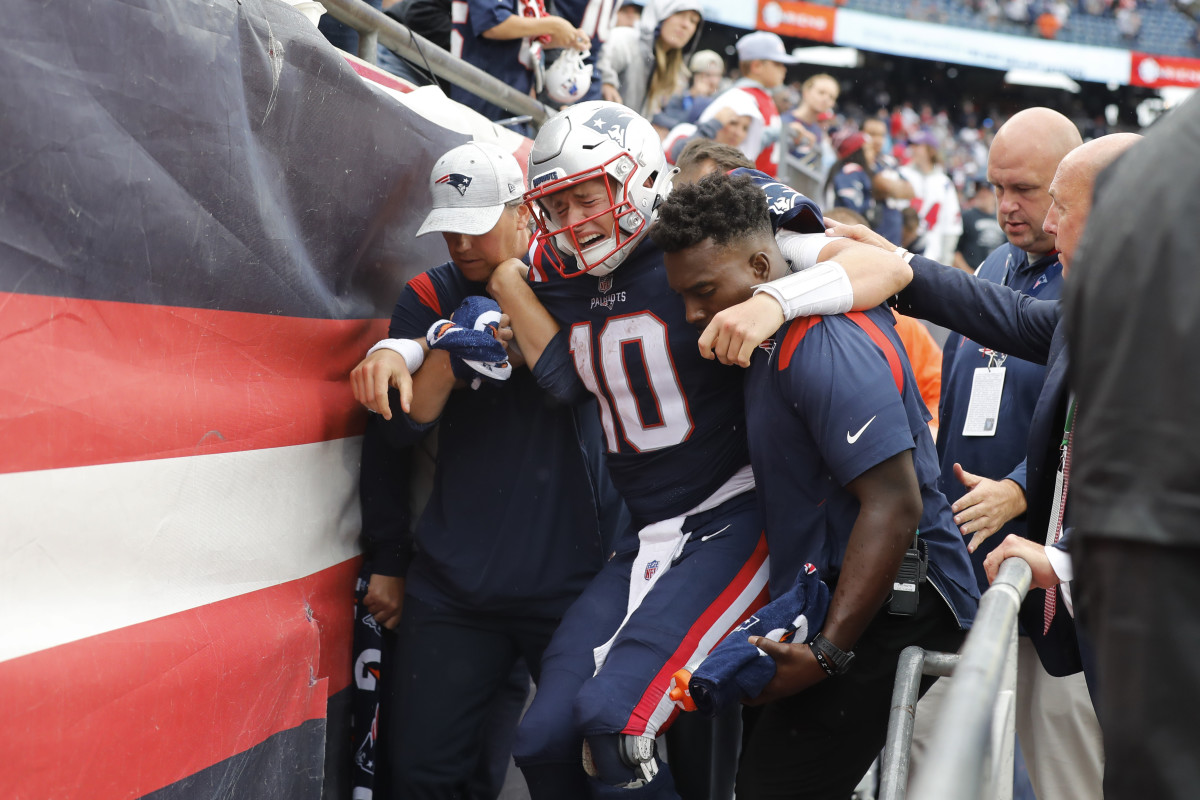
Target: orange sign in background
{"type": "Point", "coordinates": [794, 18]}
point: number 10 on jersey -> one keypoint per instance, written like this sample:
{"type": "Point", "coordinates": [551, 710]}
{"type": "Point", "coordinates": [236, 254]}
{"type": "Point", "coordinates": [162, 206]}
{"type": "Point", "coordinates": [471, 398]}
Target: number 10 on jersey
{"type": "Point", "coordinates": [656, 376]}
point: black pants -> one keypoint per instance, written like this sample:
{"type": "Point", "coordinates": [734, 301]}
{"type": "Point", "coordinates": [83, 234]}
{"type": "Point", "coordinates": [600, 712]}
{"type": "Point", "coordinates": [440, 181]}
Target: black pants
{"type": "Point", "coordinates": [819, 743]}
{"type": "Point", "coordinates": [446, 670]}
{"type": "Point", "coordinates": [1140, 607]}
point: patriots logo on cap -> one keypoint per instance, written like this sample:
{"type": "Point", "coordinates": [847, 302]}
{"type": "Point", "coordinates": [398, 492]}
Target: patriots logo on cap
{"type": "Point", "coordinates": [613, 122]}
{"type": "Point", "coordinates": [457, 180]}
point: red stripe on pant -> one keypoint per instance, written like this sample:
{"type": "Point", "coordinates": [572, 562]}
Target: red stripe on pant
{"type": "Point", "coordinates": [703, 624]}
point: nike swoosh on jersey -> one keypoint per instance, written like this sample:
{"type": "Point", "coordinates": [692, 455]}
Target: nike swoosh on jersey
{"type": "Point", "coordinates": [852, 439]}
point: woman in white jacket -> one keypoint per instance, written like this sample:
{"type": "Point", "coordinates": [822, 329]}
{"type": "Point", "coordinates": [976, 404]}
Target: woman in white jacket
{"type": "Point", "coordinates": [645, 66]}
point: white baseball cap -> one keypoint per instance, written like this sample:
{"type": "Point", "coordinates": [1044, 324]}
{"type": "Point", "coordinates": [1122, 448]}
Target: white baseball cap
{"type": "Point", "coordinates": [470, 185]}
{"type": "Point", "coordinates": [764, 46]}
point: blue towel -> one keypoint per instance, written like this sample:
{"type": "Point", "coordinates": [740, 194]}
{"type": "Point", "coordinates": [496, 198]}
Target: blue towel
{"type": "Point", "coordinates": [737, 670]}
{"type": "Point", "coordinates": [469, 336]}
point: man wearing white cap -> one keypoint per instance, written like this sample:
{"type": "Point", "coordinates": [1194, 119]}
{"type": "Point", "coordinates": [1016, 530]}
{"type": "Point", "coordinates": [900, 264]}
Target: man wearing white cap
{"type": "Point", "coordinates": [520, 510]}
{"type": "Point", "coordinates": [763, 62]}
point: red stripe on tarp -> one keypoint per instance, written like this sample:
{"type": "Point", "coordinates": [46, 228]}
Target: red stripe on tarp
{"type": "Point", "coordinates": [377, 75]}
{"type": "Point", "coordinates": [130, 711]}
{"type": "Point", "coordinates": [98, 382]}
{"type": "Point", "coordinates": [657, 688]}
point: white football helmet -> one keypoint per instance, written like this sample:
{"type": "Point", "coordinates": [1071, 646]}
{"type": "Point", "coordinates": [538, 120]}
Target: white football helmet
{"type": "Point", "coordinates": [568, 78]}
{"type": "Point", "coordinates": [591, 140]}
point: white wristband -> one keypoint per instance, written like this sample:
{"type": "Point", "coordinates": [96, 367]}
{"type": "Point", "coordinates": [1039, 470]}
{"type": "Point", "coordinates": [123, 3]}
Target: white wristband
{"type": "Point", "coordinates": [823, 289]}
{"type": "Point", "coordinates": [412, 352]}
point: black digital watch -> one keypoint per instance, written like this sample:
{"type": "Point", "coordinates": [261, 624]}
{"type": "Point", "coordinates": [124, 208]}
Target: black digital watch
{"type": "Point", "coordinates": [832, 659]}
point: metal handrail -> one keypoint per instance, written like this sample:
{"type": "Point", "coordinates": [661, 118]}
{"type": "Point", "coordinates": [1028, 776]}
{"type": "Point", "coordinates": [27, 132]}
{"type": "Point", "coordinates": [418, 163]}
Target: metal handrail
{"type": "Point", "coordinates": [375, 27]}
{"type": "Point", "coordinates": [960, 748]}
{"type": "Point", "coordinates": [915, 662]}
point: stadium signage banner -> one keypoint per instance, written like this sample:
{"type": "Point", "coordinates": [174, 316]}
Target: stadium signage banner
{"type": "Point", "coordinates": [802, 20]}
{"type": "Point", "coordinates": [1159, 71]}
{"type": "Point", "coordinates": [926, 40]}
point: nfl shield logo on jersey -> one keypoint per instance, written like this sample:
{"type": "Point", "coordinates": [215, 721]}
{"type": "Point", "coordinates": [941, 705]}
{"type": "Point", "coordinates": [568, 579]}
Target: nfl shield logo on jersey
{"type": "Point", "coordinates": [651, 568]}
{"type": "Point", "coordinates": [605, 283]}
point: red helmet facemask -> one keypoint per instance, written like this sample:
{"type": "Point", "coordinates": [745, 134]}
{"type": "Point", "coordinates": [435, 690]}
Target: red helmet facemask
{"type": "Point", "coordinates": [567, 254]}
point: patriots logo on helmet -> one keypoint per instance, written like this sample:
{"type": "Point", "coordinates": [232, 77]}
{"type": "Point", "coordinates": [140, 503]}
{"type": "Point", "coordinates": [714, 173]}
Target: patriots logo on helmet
{"type": "Point", "coordinates": [457, 180]}
{"type": "Point", "coordinates": [651, 568]}
{"type": "Point", "coordinates": [612, 122]}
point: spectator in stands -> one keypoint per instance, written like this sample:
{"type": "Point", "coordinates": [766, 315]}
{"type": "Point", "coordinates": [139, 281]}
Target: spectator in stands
{"type": "Point", "coordinates": [763, 63]}
{"type": "Point", "coordinates": [911, 237]}
{"type": "Point", "coordinates": [644, 67]}
{"type": "Point", "coordinates": [893, 194]}
{"type": "Point", "coordinates": [427, 18]}
{"type": "Point", "coordinates": [629, 14]}
{"type": "Point", "coordinates": [493, 35]}
{"type": "Point", "coordinates": [1048, 24]}
{"type": "Point", "coordinates": [934, 197]}
{"type": "Point", "coordinates": [702, 156]}
{"type": "Point", "coordinates": [808, 138]}
{"type": "Point", "coordinates": [1129, 21]}
{"type": "Point", "coordinates": [470, 580]}
{"type": "Point", "coordinates": [849, 182]}
{"type": "Point", "coordinates": [708, 70]}
{"type": "Point", "coordinates": [1017, 11]}
{"type": "Point", "coordinates": [729, 119]}
{"type": "Point", "coordinates": [981, 232]}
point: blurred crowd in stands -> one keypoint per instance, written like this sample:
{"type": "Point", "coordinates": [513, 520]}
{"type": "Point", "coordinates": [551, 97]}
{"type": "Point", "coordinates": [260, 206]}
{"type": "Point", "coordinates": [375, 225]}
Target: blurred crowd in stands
{"type": "Point", "coordinates": [908, 167]}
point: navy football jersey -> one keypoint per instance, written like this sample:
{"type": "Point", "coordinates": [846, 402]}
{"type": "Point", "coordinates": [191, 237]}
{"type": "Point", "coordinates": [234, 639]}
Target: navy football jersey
{"type": "Point", "coordinates": [827, 399]}
{"type": "Point", "coordinates": [672, 420]}
{"type": "Point", "coordinates": [498, 57]}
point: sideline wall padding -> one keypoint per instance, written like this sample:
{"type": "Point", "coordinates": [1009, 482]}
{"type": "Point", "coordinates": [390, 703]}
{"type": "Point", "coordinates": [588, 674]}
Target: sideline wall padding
{"type": "Point", "coordinates": [206, 214]}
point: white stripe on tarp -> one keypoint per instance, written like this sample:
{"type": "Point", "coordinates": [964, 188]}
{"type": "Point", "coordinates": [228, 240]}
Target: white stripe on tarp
{"type": "Point", "coordinates": [91, 549]}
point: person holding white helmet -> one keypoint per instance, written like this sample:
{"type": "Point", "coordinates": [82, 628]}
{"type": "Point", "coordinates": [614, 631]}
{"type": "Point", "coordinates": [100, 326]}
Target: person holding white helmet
{"type": "Point", "coordinates": [694, 563]}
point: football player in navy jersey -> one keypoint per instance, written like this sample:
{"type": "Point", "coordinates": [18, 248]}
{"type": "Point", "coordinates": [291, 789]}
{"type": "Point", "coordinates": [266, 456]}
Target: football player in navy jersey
{"type": "Point", "coordinates": [694, 563]}
{"type": "Point", "coordinates": [846, 473]}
